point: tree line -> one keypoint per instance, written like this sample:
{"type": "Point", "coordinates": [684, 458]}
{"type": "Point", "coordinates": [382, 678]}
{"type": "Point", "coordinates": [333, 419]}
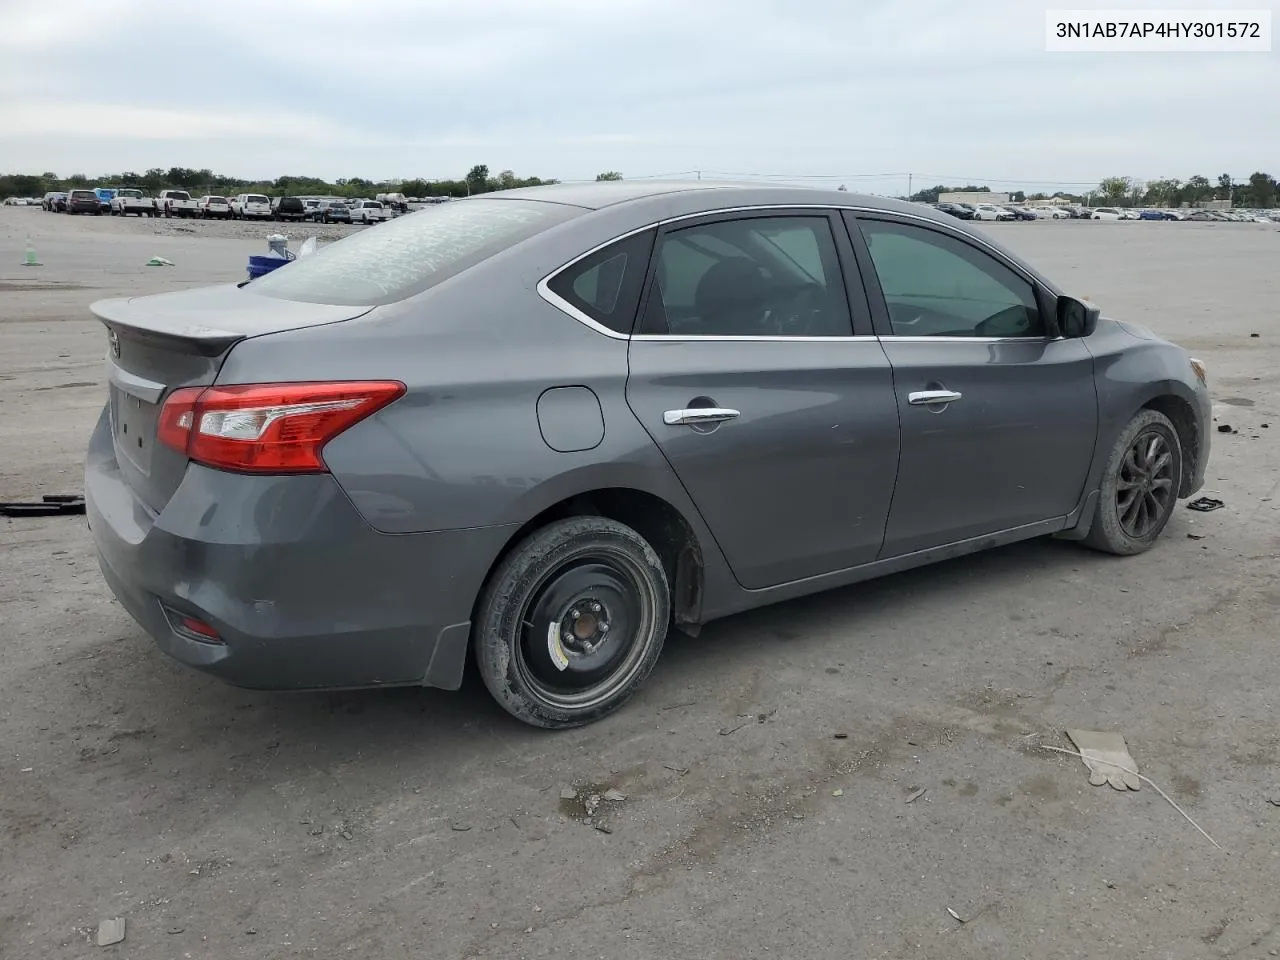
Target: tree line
{"type": "Point", "coordinates": [202, 182]}
{"type": "Point", "coordinates": [1260, 191]}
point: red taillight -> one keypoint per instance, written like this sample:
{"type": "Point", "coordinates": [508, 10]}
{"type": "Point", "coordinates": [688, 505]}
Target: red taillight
{"type": "Point", "coordinates": [268, 427]}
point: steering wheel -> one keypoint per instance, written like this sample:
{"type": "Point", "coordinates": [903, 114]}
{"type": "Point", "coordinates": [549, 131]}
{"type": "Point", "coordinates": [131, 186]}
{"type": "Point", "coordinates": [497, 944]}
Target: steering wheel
{"type": "Point", "coordinates": [796, 311]}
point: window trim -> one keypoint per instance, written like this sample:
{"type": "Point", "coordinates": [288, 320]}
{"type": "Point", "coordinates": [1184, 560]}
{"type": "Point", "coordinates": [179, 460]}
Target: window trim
{"type": "Point", "coordinates": [853, 236]}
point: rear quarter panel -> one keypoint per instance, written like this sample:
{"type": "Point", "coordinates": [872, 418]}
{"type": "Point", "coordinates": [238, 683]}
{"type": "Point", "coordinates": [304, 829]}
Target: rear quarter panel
{"type": "Point", "coordinates": [463, 448]}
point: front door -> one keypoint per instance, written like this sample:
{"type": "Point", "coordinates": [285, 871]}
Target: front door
{"type": "Point", "coordinates": [998, 418]}
{"type": "Point", "coordinates": [780, 423]}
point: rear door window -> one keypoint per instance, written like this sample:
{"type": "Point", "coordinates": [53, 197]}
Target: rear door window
{"type": "Point", "coordinates": [410, 254]}
{"type": "Point", "coordinates": [776, 276]}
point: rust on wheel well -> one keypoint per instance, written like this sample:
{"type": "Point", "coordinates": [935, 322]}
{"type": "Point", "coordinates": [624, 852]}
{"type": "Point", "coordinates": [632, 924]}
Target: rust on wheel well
{"type": "Point", "coordinates": [1183, 418]}
{"type": "Point", "coordinates": [661, 524]}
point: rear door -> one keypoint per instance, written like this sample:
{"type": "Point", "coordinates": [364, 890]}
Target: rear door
{"type": "Point", "coordinates": [755, 372]}
{"type": "Point", "coordinates": [998, 417]}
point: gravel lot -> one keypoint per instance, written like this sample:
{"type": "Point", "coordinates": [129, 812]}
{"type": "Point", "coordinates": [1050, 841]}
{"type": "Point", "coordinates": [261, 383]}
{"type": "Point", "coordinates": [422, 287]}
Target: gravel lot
{"type": "Point", "coordinates": [766, 765]}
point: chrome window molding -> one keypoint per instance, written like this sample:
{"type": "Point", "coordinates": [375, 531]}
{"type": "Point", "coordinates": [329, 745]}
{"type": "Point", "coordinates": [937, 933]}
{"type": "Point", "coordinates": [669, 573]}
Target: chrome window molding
{"type": "Point", "coordinates": [694, 338]}
{"type": "Point", "coordinates": [546, 293]}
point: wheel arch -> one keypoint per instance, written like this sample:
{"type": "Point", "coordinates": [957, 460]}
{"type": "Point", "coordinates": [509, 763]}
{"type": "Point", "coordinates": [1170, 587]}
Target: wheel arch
{"type": "Point", "coordinates": [1182, 415]}
{"type": "Point", "coordinates": [656, 519]}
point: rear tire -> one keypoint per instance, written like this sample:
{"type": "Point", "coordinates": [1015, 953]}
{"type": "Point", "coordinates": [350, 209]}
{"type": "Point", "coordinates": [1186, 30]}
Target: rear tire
{"type": "Point", "coordinates": [1139, 488]}
{"type": "Point", "coordinates": [572, 622]}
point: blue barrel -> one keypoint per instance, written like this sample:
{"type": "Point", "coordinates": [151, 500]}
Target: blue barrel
{"type": "Point", "coordinates": [263, 265]}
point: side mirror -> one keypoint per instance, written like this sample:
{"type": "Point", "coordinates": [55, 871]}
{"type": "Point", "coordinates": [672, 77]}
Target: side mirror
{"type": "Point", "coordinates": [1077, 318]}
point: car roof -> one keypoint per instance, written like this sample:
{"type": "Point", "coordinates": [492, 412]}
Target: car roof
{"type": "Point", "coordinates": [600, 194]}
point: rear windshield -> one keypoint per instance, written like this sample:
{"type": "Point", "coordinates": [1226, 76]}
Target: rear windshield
{"type": "Point", "coordinates": [179, 195]}
{"type": "Point", "coordinates": [217, 199]}
{"type": "Point", "coordinates": [128, 193]}
{"type": "Point", "coordinates": [403, 257]}
{"type": "Point", "coordinates": [83, 195]}
{"type": "Point", "coordinates": [255, 198]}
{"type": "Point", "coordinates": [372, 205]}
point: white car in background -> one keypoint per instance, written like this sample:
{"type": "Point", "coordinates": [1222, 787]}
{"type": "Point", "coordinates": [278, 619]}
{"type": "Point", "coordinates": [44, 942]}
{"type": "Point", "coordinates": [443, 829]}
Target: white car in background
{"type": "Point", "coordinates": [251, 206]}
{"type": "Point", "coordinates": [1106, 213]}
{"type": "Point", "coordinates": [369, 211]}
{"type": "Point", "coordinates": [1053, 213]}
{"type": "Point", "coordinates": [989, 211]}
{"type": "Point", "coordinates": [128, 200]}
{"type": "Point", "coordinates": [214, 208]}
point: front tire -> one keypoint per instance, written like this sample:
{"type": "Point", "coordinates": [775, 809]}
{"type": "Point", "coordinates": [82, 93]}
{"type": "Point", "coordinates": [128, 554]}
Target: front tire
{"type": "Point", "coordinates": [572, 622]}
{"type": "Point", "coordinates": [1139, 488]}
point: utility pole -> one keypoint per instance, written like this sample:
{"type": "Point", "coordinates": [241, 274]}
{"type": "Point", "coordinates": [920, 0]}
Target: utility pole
{"type": "Point", "coordinates": [699, 173]}
{"type": "Point", "coordinates": [908, 186]}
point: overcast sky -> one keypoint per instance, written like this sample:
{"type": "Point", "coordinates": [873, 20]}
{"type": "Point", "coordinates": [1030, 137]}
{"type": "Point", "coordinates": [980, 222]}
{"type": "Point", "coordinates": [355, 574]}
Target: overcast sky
{"type": "Point", "coordinates": [568, 88]}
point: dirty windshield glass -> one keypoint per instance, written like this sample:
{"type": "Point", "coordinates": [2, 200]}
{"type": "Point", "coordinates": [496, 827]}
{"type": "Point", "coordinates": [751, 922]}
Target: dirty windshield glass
{"type": "Point", "coordinates": [407, 255]}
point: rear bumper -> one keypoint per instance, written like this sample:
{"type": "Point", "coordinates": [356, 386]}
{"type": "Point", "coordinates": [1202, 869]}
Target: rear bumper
{"type": "Point", "coordinates": [302, 592]}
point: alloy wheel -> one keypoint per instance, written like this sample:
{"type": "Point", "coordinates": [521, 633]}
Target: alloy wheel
{"type": "Point", "coordinates": [1144, 486]}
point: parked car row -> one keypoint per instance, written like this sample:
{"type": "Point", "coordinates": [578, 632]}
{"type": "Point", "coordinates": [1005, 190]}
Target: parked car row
{"type": "Point", "coordinates": [1199, 216]}
{"type": "Point", "coordinates": [346, 210]}
{"type": "Point", "coordinates": [1004, 212]}
{"type": "Point", "coordinates": [992, 211]}
{"type": "Point", "coordinates": [123, 201]}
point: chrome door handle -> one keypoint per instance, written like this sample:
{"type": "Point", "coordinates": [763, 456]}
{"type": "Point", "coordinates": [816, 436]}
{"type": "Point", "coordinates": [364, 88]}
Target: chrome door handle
{"type": "Point", "coordinates": [696, 415]}
{"type": "Point", "coordinates": [930, 397]}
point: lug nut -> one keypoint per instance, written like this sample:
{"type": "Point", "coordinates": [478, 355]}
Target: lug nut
{"type": "Point", "coordinates": [595, 607]}
{"type": "Point", "coordinates": [575, 613]}
{"type": "Point", "coordinates": [604, 628]}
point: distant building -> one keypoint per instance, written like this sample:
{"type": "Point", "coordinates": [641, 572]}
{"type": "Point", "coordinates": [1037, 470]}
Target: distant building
{"type": "Point", "coordinates": [974, 196]}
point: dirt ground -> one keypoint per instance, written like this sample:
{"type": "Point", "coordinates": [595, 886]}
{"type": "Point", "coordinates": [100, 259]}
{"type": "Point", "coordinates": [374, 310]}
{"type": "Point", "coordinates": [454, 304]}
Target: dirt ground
{"type": "Point", "coordinates": [767, 766]}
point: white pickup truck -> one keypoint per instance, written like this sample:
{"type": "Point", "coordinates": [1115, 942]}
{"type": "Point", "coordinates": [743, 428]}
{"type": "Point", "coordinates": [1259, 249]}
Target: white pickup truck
{"type": "Point", "coordinates": [250, 206]}
{"type": "Point", "coordinates": [177, 203]}
{"type": "Point", "coordinates": [128, 200]}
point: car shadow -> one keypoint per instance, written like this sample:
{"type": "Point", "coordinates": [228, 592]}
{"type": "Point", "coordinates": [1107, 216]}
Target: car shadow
{"type": "Point", "coordinates": [377, 741]}
{"type": "Point", "coordinates": [346, 724]}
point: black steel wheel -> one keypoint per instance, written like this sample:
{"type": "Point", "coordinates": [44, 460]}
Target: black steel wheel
{"type": "Point", "coordinates": [572, 622]}
{"type": "Point", "coordinates": [1140, 487]}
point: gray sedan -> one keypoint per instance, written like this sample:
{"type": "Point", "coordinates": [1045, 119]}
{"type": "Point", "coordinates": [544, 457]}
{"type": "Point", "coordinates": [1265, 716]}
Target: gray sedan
{"type": "Point", "coordinates": [543, 427]}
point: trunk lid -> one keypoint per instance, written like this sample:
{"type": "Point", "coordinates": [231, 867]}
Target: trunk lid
{"type": "Point", "coordinates": [159, 343]}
